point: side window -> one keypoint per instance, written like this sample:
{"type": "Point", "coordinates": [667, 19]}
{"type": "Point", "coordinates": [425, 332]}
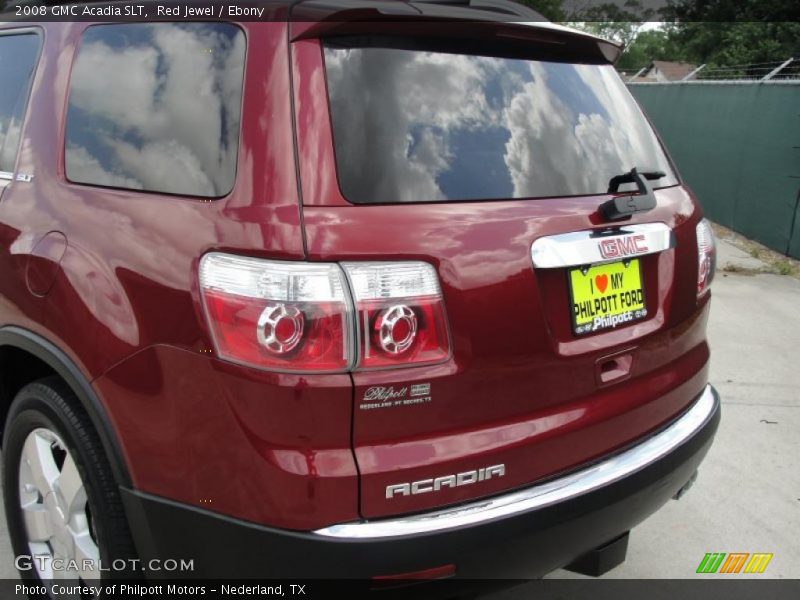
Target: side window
{"type": "Point", "coordinates": [156, 107]}
{"type": "Point", "coordinates": [18, 53]}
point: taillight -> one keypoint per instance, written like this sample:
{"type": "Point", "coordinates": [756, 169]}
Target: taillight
{"type": "Point", "coordinates": [706, 257]}
{"type": "Point", "coordinates": [400, 314]}
{"type": "Point", "coordinates": [277, 315]}
{"type": "Point", "coordinates": [293, 316]}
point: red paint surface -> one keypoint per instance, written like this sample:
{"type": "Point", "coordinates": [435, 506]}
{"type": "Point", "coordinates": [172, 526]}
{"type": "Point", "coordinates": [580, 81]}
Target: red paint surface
{"type": "Point", "coordinates": [282, 449]}
{"type": "Point", "coordinates": [520, 388]}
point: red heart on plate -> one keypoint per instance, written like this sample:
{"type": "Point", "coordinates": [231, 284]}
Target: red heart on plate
{"type": "Point", "coordinates": [601, 281]}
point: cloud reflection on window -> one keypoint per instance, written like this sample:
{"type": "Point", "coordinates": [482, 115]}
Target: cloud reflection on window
{"type": "Point", "coordinates": [18, 53]}
{"type": "Point", "coordinates": [420, 126]}
{"type": "Point", "coordinates": [9, 140]}
{"type": "Point", "coordinates": [157, 107]}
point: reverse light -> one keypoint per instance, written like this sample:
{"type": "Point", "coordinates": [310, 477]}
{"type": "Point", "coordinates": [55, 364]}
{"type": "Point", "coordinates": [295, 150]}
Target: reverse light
{"type": "Point", "coordinates": [275, 315]}
{"type": "Point", "coordinates": [400, 314]}
{"type": "Point", "coordinates": [706, 257]}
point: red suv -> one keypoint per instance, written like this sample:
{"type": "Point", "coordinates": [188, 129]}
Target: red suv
{"type": "Point", "coordinates": [393, 289]}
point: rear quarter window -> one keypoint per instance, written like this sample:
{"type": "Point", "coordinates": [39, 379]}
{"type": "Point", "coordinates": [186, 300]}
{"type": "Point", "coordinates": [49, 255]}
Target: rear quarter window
{"type": "Point", "coordinates": [156, 107]}
{"type": "Point", "coordinates": [18, 54]}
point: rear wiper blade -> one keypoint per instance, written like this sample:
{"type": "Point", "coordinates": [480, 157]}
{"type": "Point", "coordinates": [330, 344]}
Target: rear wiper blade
{"type": "Point", "coordinates": [624, 206]}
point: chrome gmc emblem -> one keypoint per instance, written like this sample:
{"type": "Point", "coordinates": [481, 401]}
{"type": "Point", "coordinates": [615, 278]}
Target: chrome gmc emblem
{"type": "Point", "coordinates": [623, 246]}
{"type": "Point", "coordinates": [581, 248]}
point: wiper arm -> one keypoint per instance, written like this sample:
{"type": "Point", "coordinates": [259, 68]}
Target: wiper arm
{"type": "Point", "coordinates": [624, 206]}
{"type": "Point", "coordinates": [630, 177]}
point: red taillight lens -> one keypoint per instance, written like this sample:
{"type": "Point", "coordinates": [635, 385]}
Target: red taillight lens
{"type": "Point", "coordinates": [277, 315]}
{"type": "Point", "coordinates": [286, 316]}
{"type": "Point", "coordinates": [400, 314]}
{"type": "Point", "coordinates": [706, 257]}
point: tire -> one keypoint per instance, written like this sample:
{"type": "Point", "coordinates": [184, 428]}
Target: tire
{"type": "Point", "coordinates": [50, 446]}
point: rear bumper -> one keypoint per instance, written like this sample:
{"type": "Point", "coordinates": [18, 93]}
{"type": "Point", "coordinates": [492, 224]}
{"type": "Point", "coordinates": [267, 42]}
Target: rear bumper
{"type": "Point", "coordinates": [522, 534]}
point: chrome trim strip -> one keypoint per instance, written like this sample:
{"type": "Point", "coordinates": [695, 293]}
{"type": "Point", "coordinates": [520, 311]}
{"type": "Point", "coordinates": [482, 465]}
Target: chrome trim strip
{"type": "Point", "coordinates": [565, 488]}
{"type": "Point", "coordinates": [6, 176]}
{"type": "Point", "coordinates": [582, 247]}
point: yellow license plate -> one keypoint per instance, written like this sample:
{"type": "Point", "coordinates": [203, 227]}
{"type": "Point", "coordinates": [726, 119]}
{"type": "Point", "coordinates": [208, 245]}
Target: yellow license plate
{"type": "Point", "coordinates": [606, 296]}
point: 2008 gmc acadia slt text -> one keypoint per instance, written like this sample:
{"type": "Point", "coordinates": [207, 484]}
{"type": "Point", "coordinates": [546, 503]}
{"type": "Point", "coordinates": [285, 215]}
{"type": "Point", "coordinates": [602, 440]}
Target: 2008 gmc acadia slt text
{"type": "Point", "coordinates": [389, 293]}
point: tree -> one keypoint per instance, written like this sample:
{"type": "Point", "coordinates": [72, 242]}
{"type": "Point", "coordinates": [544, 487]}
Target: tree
{"type": "Point", "coordinates": [550, 9]}
{"type": "Point", "coordinates": [724, 11]}
{"type": "Point", "coordinates": [721, 33]}
{"type": "Point", "coordinates": [720, 44]}
{"type": "Point", "coordinates": [712, 32]}
{"type": "Point", "coordinates": [619, 31]}
{"type": "Point", "coordinates": [618, 21]}
{"type": "Point", "coordinates": [656, 44]}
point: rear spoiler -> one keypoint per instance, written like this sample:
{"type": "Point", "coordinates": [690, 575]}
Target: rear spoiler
{"type": "Point", "coordinates": [483, 21]}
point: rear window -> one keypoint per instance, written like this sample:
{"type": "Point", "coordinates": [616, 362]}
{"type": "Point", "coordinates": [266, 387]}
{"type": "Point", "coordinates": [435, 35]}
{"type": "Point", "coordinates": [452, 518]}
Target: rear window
{"type": "Point", "coordinates": [156, 107]}
{"type": "Point", "coordinates": [415, 126]}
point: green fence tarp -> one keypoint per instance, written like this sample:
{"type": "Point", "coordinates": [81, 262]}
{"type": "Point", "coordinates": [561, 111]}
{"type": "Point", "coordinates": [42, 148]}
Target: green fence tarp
{"type": "Point", "coordinates": [738, 147]}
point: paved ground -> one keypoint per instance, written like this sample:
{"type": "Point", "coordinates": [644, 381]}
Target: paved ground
{"type": "Point", "coordinates": [747, 497]}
